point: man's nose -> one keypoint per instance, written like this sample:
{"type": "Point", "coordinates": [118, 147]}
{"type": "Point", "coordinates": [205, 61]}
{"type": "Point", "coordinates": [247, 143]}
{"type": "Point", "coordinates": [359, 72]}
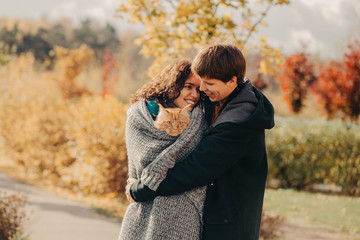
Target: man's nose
{"type": "Point", "coordinates": [202, 87]}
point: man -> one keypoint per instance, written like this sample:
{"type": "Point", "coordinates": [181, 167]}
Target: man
{"type": "Point", "coordinates": [231, 158]}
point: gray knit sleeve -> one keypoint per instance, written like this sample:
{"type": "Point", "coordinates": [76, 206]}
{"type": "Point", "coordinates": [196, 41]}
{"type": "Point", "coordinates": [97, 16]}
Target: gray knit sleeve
{"type": "Point", "coordinates": [128, 129]}
{"type": "Point", "coordinates": [154, 173]}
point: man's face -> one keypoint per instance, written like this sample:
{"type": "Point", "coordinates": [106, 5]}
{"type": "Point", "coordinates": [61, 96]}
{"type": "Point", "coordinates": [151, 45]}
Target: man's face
{"type": "Point", "coordinates": [217, 90]}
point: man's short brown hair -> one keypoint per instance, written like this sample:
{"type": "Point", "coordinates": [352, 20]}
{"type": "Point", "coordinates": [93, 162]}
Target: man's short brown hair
{"type": "Point", "coordinates": [220, 61]}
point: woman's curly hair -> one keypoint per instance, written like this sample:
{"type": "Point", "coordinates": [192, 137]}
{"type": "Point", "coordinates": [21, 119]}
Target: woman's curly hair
{"type": "Point", "coordinates": [165, 86]}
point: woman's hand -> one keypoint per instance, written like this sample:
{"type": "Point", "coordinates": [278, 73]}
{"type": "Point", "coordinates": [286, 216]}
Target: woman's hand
{"type": "Point", "coordinates": [129, 182]}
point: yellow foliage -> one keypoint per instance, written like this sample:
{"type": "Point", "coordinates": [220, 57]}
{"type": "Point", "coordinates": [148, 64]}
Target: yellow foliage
{"type": "Point", "coordinates": [279, 2]}
{"type": "Point", "coordinates": [197, 23]}
{"type": "Point", "coordinates": [98, 132]}
{"type": "Point", "coordinates": [79, 143]}
{"type": "Point", "coordinates": [272, 58]}
{"type": "Point", "coordinates": [70, 63]}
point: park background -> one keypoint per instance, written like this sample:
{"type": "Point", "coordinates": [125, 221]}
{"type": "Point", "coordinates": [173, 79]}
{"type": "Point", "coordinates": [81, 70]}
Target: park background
{"type": "Point", "coordinates": [68, 68]}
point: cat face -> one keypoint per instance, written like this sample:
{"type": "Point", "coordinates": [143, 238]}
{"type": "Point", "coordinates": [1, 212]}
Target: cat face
{"type": "Point", "coordinates": [173, 120]}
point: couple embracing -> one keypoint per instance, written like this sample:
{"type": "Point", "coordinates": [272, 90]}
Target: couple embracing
{"type": "Point", "coordinates": [195, 137]}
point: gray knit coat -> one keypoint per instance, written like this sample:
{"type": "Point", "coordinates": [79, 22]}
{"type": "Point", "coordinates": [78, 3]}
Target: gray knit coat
{"type": "Point", "coordinates": [151, 153]}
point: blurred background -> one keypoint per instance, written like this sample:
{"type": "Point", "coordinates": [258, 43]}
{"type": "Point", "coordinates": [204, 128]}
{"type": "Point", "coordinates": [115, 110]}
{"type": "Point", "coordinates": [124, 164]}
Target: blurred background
{"type": "Point", "coordinates": [68, 68]}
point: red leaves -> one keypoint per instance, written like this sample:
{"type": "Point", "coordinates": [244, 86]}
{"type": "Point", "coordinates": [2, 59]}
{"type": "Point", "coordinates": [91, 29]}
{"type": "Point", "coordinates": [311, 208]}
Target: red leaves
{"type": "Point", "coordinates": [328, 88]}
{"type": "Point", "coordinates": [352, 83]}
{"type": "Point", "coordinates": [108, 65]}
{"type": "Point", "coordinates": [338, 88]}
{"type": "Point", "coordinates": [296, 75]}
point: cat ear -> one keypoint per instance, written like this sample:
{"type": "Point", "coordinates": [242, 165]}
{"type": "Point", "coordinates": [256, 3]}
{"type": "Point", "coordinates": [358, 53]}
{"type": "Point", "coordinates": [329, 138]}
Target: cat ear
{"type": "Point", "coordinates": [187, 108]}
{"type": "Point", "coordinates": [161, 107]}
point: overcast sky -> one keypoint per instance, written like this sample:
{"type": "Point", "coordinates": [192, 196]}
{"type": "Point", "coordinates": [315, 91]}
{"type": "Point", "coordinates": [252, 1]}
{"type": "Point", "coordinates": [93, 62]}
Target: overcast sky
{"type": "Point", "coordinates": [323, 25]}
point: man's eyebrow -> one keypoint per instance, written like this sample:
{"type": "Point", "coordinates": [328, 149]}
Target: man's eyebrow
{"type": "Point", "coordinates": [206, 81]}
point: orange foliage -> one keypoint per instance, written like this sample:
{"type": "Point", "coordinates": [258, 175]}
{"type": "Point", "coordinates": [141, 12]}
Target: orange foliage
{"type": "Point", "coordinates": [327, 88]}
{"type": "Point", "coordinates": [297, 74]}
{"type": "Point", "coordinates": [351, 87]}
{"type": "Point", "coordinates": [338, 88]}
{"type": "Point", "coordinates": [108, 65]}
{"type": "Point", "coordinates": [71, 63]}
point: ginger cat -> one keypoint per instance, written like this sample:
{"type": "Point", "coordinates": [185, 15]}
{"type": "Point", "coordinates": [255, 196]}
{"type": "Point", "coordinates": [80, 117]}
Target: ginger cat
{"type": "Point", "coordinates": [172, 120]}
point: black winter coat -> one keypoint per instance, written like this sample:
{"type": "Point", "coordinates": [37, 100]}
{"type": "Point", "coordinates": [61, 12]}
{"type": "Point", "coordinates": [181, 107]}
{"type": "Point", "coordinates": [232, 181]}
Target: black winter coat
{"type": "Point", "coordinates": [231, 160]}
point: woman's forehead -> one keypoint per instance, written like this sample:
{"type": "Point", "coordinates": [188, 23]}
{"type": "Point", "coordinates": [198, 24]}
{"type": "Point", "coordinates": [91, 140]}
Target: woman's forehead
{"type": "Point", "coordinates": [192, 79]}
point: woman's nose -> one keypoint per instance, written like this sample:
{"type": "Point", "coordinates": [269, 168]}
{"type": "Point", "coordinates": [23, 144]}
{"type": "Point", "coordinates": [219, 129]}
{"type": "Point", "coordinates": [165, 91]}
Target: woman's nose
{"type": "Point", "coordinates": [195, 93]}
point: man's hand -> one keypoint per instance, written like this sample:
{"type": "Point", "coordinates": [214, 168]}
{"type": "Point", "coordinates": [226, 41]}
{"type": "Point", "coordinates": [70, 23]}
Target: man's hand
{"type": "Point", "coordinates": [129, 182]}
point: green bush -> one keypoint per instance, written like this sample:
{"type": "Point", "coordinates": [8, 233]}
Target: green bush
{"type": "Point", "coordinates": [302, 153]}
{"type": "Point", "coordinates": [12, 214]}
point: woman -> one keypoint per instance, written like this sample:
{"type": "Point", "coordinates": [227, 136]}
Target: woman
{"type": "Point", "coordinates": [152, 152]}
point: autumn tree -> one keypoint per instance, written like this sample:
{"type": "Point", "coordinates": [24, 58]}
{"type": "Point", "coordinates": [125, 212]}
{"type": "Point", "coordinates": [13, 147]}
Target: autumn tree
{"type": "Point", "coordinates": [10, 38]}
{"type": "Point", "coordinates": [4, 58]}
{"type": "Point", "coordinates": [17, 42]}
{"type": "Point", "coordinates": [352, 86]}
{"type": "Point", "coordinates": [338, 88]}
{"type": "Point", "coordinates": [327, 88]}
{"type": "Point", "coordinates": [108, 76]}
{"type": "Point", "coordinates": [172, 28]}
{"type": "Point", "coordinates": [70, 63]}
{"type": "Point", "coordinates": [96, 37]}
{"type": "Point", "coordinates": [58, 35]}
{"type": "Point", "coordinates": [297, 74]}
{"type": "Point", "coordinates": [42, 40]}
{"type": "Point", "coordinates": [36, 44]}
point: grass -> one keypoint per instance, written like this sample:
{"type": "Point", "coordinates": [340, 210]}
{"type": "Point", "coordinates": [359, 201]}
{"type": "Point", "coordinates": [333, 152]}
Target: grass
{"type": "Point", "coordinates": [342, 212]}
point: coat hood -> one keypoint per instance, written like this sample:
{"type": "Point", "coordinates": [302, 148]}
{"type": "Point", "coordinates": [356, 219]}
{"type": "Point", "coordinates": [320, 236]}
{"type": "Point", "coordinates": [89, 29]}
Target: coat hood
{"type": "Point", "coordinates": [247, 106]}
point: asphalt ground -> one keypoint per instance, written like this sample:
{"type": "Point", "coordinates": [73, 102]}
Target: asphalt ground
{"type": "Point", "coordinates": [51, 217]}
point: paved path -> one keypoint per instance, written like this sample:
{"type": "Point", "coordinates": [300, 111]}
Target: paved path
{"type": "Point", "coordinates": [55, 218]}
{"type": "Point", "coordinates": [300, 229]}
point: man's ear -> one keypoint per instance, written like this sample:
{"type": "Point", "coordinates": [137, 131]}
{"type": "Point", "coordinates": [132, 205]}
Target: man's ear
{"type": "Point", "coordinates": [233, 81]}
